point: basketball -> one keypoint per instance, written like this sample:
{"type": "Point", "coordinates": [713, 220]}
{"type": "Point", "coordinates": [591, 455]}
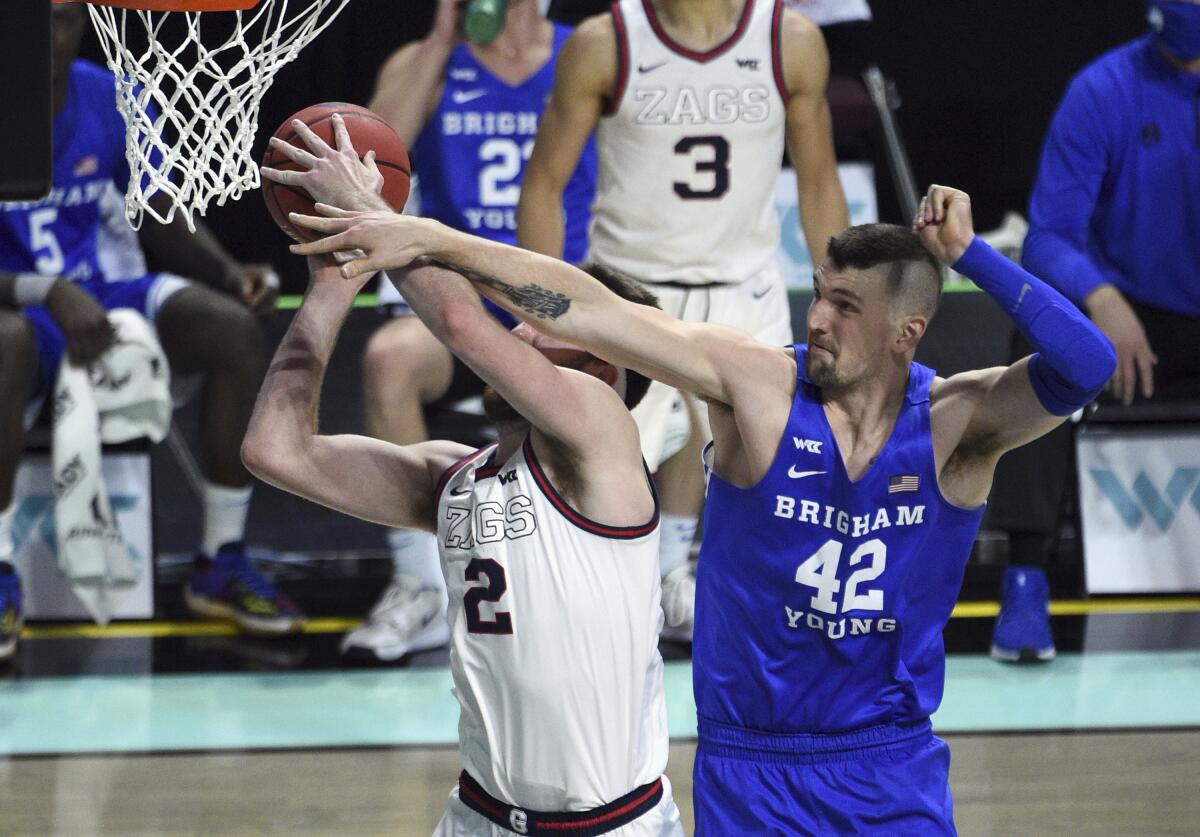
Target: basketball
{"type": "Point", "coordinates": [368, 132]}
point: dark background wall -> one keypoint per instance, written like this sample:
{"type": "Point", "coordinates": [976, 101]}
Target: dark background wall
{"type": "Point", "coordinates": [979, 80]}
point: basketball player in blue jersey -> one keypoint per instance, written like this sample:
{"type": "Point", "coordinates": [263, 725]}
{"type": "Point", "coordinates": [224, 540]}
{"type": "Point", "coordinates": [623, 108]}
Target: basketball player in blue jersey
{"type": "Point", "coordinates": [51, 271]}
{"type": "Point", "coordinates": [846, 486]}
{"type": "Point", "coordinates": [469, 113]}
{"type": "Point", "coordinates": [692, 103]}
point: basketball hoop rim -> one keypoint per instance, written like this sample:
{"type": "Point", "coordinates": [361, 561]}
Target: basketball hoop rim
{"type": "Point", "coordinates": [173, 5]}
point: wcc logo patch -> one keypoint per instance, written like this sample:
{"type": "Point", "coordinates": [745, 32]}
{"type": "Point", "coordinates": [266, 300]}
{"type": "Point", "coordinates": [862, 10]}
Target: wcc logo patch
{"type": "Point", "coordinates": [1143, 499]}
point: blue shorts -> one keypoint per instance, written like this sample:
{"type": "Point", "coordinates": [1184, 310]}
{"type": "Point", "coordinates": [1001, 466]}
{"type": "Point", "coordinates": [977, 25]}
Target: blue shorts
{"type": "Point", "coordinates": [145, 294]}
{"type": "Point", "coordinates": [880, 780]}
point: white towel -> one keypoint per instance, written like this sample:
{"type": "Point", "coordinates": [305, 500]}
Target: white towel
{"type": "Point", "coordinates": [123, 395]}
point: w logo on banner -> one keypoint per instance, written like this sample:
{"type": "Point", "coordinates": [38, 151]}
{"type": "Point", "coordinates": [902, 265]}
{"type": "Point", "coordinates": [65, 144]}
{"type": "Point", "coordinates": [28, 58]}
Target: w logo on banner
{"type": "Point", "coordinates": [1146, 500]}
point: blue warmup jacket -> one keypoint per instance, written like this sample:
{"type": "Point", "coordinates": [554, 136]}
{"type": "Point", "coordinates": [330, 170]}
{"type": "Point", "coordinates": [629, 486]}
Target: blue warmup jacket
{"type": "Point", "coordinates": [1117, 197]}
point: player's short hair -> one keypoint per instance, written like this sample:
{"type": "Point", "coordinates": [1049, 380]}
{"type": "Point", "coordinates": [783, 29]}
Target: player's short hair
{"type": "Point", "coordinates": [636, 384]}
{"type": "Point", "coordinates": [914, 278]}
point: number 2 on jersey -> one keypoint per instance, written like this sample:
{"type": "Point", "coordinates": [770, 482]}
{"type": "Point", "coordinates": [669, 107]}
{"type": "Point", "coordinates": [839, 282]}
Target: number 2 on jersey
{"type": "Point", "coordinates": [479, 569]}
{"type": "Point", "coordinates": [820, 572]}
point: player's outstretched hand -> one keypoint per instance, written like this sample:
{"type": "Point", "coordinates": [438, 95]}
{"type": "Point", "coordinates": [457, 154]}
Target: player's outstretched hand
{"type": "Point", "coordinates": [384, 240]}
{"type": "Point", "coordinates": [336, 176]}
{"type": "Point", "coordinates": [944, 224]}
{"type": "Point", "coordinates": [83, 321]}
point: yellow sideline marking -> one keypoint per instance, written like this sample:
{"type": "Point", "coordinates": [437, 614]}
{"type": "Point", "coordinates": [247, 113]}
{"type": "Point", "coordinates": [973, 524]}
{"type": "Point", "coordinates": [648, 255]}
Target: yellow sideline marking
{"type": "Point", "coordinates": [337, 625]}
{"type": "Point", "coordinates": [198, 627]}
{"type": "Point", "coordinates": [1080, 607]}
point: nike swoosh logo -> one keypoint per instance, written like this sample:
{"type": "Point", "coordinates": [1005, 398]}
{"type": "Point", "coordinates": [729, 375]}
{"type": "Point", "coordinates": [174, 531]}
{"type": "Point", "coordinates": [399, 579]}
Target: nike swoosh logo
{"type": "Point", "coordinates": [762, 293]}
{"type": "Point", "coordinates": [460, 492]}
{"type": "Point", "coordinates": [461, 97]}
{"type": "Point", "coordinates": [794, 474]}
{"type": "Point", "coordinates": [643, 68]}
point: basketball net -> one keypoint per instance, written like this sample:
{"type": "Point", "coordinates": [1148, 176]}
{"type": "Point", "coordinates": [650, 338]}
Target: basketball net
{"type": "Point", "coordinates": [197, 148]}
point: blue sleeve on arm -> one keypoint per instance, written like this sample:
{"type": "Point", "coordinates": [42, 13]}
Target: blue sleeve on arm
{"type": "Point", "coordinates": [1074, 360]}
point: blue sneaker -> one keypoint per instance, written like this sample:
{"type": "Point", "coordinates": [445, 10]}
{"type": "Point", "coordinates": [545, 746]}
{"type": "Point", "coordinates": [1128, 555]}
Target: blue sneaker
{"type": "Point", "coordinates": [1022, 632]}
{"type": "Point", "coordinates": [12, 614]}
{"type": "Point", "coordinates": [229, 587]}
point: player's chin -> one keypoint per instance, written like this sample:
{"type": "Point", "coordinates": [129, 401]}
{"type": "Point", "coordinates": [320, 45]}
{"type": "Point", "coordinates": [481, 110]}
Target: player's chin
{"type": "Point", "coordinates": [821, 370]}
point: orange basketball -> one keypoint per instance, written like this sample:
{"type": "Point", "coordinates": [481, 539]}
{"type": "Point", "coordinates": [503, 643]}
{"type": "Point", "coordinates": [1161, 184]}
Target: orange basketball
{"type": "Point", "coordinates": [368, 131]}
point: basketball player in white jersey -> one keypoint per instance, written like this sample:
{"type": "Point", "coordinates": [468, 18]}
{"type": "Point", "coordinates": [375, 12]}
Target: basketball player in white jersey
{"type": "Point", "coordinates": [691, 101]}
{"type": "Point", "coordinates": [548, 541]}
{"type": "Point", "coordinates": [467, 113]}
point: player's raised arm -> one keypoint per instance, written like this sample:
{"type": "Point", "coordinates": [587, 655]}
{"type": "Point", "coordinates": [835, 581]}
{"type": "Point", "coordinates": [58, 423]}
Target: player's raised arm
{"type": "Point", "coordinates": [409, 82]}
{"type": "Point", "coordinates": [571, 405]}
{"type": "Point", "coordinates": [559, 299]}
{"type": "Point", "coordinates": [1003, 408]}
{"type": "Point", "coordinates": [585, 75]}
{"type": "Point", "coordinates": [809, 128]}
{"type": "Point", "coordinates": [357, 475]}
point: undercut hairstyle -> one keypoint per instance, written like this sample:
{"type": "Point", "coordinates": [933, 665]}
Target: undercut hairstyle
{"type": "Point", "coordinates": [636, 384]}
{"type": "Point", "coordinates": [913, 275]}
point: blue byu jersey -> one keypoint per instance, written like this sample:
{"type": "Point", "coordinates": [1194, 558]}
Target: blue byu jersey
{"type": "Point", "coordinates": [471, 155]}
{"type": "Point", "coordinates": [820, 601]}
{"type": "Point", "coordinates": [56, 236]}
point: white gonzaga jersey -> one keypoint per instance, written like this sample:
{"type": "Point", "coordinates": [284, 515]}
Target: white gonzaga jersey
{"type": "Point", "coordinates": [554, 638]}
{"type": "Point", "coordinates": [690, 150]}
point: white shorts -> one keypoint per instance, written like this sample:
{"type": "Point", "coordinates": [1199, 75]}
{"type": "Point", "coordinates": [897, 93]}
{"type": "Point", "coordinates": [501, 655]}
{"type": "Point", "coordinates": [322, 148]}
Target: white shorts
{"type": "Point", "coordinates": [660, 821]}
{"type": "Point", "coordinates": [758, 306]}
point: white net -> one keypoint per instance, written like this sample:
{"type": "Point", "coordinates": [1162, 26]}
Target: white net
{"type": "Point", "coordinates": [191, 107]}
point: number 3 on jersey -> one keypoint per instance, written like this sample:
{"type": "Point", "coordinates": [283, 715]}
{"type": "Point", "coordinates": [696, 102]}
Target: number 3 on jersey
{"type": "Point", "coordinates": [714, 169]}
{"type": "Point", "coordinates": [820, 572]}
{"type": "Point", "coordinates": [485, 569]}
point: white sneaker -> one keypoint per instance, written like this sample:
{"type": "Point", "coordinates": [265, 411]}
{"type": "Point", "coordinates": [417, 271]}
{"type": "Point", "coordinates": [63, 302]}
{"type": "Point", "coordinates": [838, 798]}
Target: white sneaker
{"type": "Point", "coordinates": [407, 618]}
{"type": "Point", "coordinates": [679, 603]}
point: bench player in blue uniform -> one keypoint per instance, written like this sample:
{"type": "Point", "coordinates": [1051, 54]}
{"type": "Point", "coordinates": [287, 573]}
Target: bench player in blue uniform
{"type": "Point", "coordinates": [469, 113]}
{"type": "Point", "coordinates": [847, 484]}
{"type": "Point", "coordinates": [51, 271]}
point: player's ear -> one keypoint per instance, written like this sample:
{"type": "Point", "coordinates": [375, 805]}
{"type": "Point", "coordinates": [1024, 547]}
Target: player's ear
{"type": "Point", "coordinates": [912, 329]}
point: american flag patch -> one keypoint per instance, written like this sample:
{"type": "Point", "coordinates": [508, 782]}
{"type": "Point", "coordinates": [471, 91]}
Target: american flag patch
{"type": "Point", "coordinates": [904, 482]}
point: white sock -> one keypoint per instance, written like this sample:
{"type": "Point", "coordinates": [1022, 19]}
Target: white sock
{"type": "Point", "coordinates": [224, 515]}
{"type": "Point", "coordinates": [675, 547]}
{"type": "Point", "coordinates": [415, 553]}
{"type": "Point", "coordinates": [6, 523]}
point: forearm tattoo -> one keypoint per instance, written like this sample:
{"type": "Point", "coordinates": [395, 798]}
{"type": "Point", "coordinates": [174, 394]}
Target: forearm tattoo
{"type": "Point", "coordinates": [532, 298]}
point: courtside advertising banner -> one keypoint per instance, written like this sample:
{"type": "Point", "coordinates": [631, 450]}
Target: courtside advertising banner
{"type": "Point", "coordinates": [1140, 502]}
{"type": "Point", "coordinates": [793, 259]}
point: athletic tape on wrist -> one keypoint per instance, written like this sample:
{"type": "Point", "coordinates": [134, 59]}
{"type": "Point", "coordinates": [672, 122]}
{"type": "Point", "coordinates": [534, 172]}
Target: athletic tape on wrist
{"type": "Point", "coordinates": [32, 288]}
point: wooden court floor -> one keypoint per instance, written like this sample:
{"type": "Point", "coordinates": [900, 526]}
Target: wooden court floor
{"type": "Point", "coordinates": [1143, 783]}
